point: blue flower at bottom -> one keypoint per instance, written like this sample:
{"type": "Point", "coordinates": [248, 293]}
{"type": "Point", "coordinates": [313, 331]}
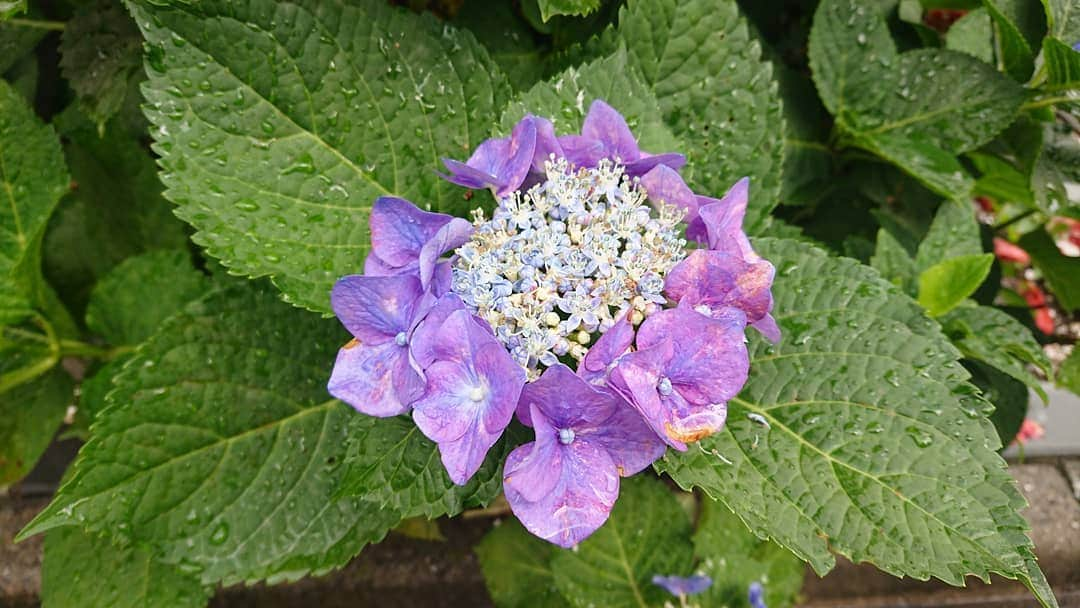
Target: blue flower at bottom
{"type": "Point", "coordinates": [683, 585]}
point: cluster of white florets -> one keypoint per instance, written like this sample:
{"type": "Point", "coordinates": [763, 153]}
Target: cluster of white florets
{"type": "Point", "coordinates": [557, 265]}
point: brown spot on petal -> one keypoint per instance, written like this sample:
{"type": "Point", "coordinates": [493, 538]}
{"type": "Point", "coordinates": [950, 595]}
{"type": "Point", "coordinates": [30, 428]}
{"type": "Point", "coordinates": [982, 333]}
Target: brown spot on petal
{"type": "Point", "coordinates": [688, 436]}
{"type": "Point", "coordinates": [352, 344]}
{"type": "Point", "coordinates": [622, 471]}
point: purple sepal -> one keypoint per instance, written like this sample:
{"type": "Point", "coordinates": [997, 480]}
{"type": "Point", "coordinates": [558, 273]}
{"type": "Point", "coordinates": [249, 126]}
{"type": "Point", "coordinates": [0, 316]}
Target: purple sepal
{"type": "Point", "coordinates": [562, 486]}
{"type": "Point", "coordinates": [683, 585]}
{"type": "Point", "coordinates": [373, 373]}
{"type": "Point", "coordinates": [604, 124]}
{"type": "Point", "coordinates": [472, 388]}
{"type": "Point", "coordinates": [720, 223]}
{"type": "Point", "coordinates": [756, 595]}
{"type": "Point", "coordinates": [710, 281]}
{"type": "Point", "coordinates": [663, 183]}
{"type": "Point", "coordinates": [500, 164]}
{"type": "Point", "coordinates": [614, 343]}
{"type": "Point", "coordinates": [407, 240]}
{"type": "Point", "coordinates": [686, 368]}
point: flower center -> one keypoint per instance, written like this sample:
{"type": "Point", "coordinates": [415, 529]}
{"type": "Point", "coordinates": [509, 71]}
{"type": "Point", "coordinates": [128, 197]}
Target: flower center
{"type": "Point", "coordinates": [401, 339]}
{"type": "Point", "coordinates": [566, 436]}
{"type": "Point", "coordinates": [477, 393]}
{"type": "Point", "coordinates": [559, 264]}
{"type": "Point", "coordinates": [664, 386]}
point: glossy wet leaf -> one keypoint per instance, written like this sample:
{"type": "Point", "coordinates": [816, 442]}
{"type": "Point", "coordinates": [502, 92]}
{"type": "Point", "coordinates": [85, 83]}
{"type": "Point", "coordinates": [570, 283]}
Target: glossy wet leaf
{"type": "Point", "coordinates": [220, 447]}
{"type": "Point", "coordinates": [30, 414]}
{"type": "Point", "coordinates": [877, 447]}
{"type": "Point", "coordinates": [945, 285]}
{"type": "Point", "coordinates": [517, 567]}
{"type": "Point", "coordinates": [279, 125]}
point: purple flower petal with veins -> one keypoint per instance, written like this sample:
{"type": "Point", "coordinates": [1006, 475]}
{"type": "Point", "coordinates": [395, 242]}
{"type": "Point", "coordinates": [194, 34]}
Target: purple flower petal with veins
{"type": "Point", "coordinates": [406, 239]}
{"type": "Point", "coordinates": [472, 388]}
{"type": "Point", "coordinates": [686, 368]}
{"type": "Point", "coordinates": [605, 125]}
{"type": "Point", "coordinates": [373, 372]}
{"type": "Point", "coordinates": [562, 486]}
{"type": "Point", "coordinates": [499, 164]}
{"type": "Point", "coordinates": [664, 184]}
{"type": "Point", "coordinates": [710, 281]}
{"type": "Point", "coordinates": [683, 585]}
{"type": "Point", "coordinates": [614, 343]}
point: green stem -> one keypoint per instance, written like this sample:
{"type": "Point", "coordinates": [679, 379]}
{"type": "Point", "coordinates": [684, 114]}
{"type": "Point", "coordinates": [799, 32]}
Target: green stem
{"type": "Point", "coordinates": [55, 26]}
{"type": "Point", "coordinates": [25, 374]}
{"type": "Point", "coordinates": [74, 348]}
{"type": "Point", "coordinates": [1048, 101]}
{"type": "Point", "coordinates": [1013, 220]}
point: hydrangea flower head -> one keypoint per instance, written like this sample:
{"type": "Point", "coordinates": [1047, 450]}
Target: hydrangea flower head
{"type": "Point", "coordinates": [602, 302]}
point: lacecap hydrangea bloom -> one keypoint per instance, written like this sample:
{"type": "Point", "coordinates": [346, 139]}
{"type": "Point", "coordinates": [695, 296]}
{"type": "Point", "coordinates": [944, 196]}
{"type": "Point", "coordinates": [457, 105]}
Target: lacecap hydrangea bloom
{"type": "Point", "coordinates": [602, 303]}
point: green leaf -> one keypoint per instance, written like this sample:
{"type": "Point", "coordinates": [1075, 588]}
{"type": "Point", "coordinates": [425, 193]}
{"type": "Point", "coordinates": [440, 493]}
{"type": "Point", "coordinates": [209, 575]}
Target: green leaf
{"type": "Point", "coordinates": [116, 210]}
{"type": "Point", "coordinates": [13, 306]}
{"type": "Point", "coordinates": [733, 557]}
{"type": "Point", "coordinates": [647, 534]}
{"type": "Point", "coordinates": [34, 177]}
{"type": "Point", "coordinates": [391, 464]}
{"type": "Point", "coordinates": [1068, 375]}
{"type": "Point", "coordinates": [566, 99]}
{"type": "Point", "coordinates": [16, 42]}
{"type": "Point", "coordinates": [953, 233]}
{"type": "Point", "coordinates": [220, 448]}
{"type": "Point", "coordinates": [101, 52]}
{"type": "Point", "coordinates": [29, 416]}
{"type": "Point", "coordinates": [876, 448]}
{"type": "Point", "coordinates": [931, 166]}
{"type": "Point", "coordinates": [973, 34]}
{"type": "Point", "coordinates": [850, 48]}
{"type": "Point", "coordinates": [1063, 19]}
{"type": "Point", "coordinates": [1058, 162]}
{"type": "Point", "coordinates": [508, 38]}
{"type": "Point", "coordinates": [10, 8]}
{"type": "Point", "coordinates": [129, 303]}
{"type": "Point", "coordinates": [893, 262]}
{"type": "Point", "coordinates": [715, 91]}
{"type": "Point", "coordinates": [1062, 64]}
{"type": "Point", "coordinates": [83, 570]}
{"type": "Point", "coordinates": [1015, 55]}
{"type": "Point", "coordinates": [1062, 273]}
{"type": "Point", "coordinates": [992, 336]}
{"type": "Point", "coordinates": [279, 125]}
{"type": "Point", "coordinates": [93, 393]}
{"type": "Point", "coordinates": [551, 8]}
{"type": "Point", "coordinates": [517, 567]}
{"type": "Point", "coordinates": [945, 285]}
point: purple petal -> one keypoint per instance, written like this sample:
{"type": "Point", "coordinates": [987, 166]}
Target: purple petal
{"type": "Point", "coordinates": [546, 143]}
{"type": "Point", "coordinates": [768, 328]}
{"type": "Point", "coordinates": [567, 400]}
{"type": "Point", "coordinates": [683, 585]}
{"type": "Point", "coordinates": [375, 267]}
{"type": "Point", "coordinates": [450, 236]}
{"type": "Point", "coordinates": [463, 457]}
{"type": "Point", "coordinates": [581, 151]}
{"type": "Point", "coordinates": [399, 230]}
{"type": "Point", "coordinates": [376, 309]}
{"type": "Point", "coordinates": [710, 362]}
{"type": "Point", "coordinates": [444, 335]}
{"type": "Point", "coordinates": [716, 280]}
{"type": "Point", "coordinates": [471, 177]}
{"type": "Point", "coordinates": [538, 473]}
{"type": "Point", "coordinates": [627, 438]}
{"type": "Point", "coordinates": [376, 380]}
{"type": "Point", "coordinates": [722, 221]}
{"type": "Point", "coordinates": [665, 185]}
{"type": "Point", "coordinates": [647, 162]}
{"type": "Point", "coordinates": [612, 344]}
{"type": "Point", "coordinates": [500, 164]}
{"type": "Point", "coordinates": [447, 410]}
{"type": "Point", "coordinates": [604, 124]}
{"type": "Point", "coordinates": [636, 377]}
{"type": "Point", "coordinates": [578, 504]}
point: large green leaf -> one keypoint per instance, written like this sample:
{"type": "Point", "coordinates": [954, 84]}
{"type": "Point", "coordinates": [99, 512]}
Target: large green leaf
{"type": "Point", "coordinates": [647, 534]}
{"type": "Point", "coordinates": [101, 52]}
{"type": "Point", "coordinates": [953, 233]}
{"type": "Point", "coordinates": [33, 177]}
{"type": "Point", "coordinates": [280, 123]}
{"type": "Point", "coordinates": [517, 568]}
{"type": "Point", "coordinates": [551, 8]}
{"type": "Point", "coordinates": [1062, 64]}
{"type": "Point", "coordinates": [1009, 396]}
{"type": "Point", "coordinates": [876, 446]}
{"type": "Point", "coordinates": [30, 413]}
{"type": "Point", "coordinates": [508, 38]}
{"type": "Point", "coordinates": [129, 303]}
{"type": "Point", "coordinates": [566, 98]}
{"type": "Point", "coordinates": [1011, 17]}
{"type": "Point", "coordinates": [716, 92]}
{"type": "Point", "coordinates": [973, 34]}
{"type": "Point", "coordinates": [992, 336]}
{"type": "Point", "coordinates": [81, 570]}
{"type": "Point", "coordinates": [893, 262]}
{"type": "Point", "coordinates": [220, 447]}
{"type": "Point", "coordinates": [15, 42]}
{"type": "Point", "coordinates": [391, 464]}
{"type": "Point", "coordinates": [734, 558]}
{"type": "Point", "coordinates": [935, 168]}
